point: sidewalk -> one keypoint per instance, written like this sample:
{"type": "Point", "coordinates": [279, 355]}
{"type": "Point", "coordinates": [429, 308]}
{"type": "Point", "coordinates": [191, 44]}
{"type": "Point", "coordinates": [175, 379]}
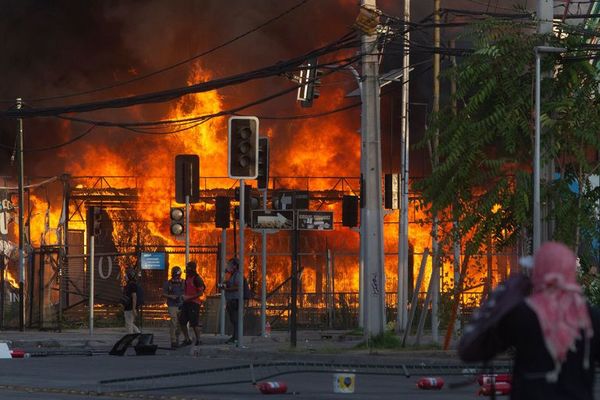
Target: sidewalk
{"type": "Point", "coordinates": [312, 343]}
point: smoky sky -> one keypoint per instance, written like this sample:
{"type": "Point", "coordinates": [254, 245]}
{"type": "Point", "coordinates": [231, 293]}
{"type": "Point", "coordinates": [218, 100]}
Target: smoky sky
{"type": "Point", "coordinates": [59, 47]}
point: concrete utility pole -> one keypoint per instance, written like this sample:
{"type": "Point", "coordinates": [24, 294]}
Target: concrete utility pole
{"type": "Point", "coordinates": [401, 319]}
{"type": "Point", "coordinates": [545, 15]}
{"type": "Point", "coordinates": [371, 212]}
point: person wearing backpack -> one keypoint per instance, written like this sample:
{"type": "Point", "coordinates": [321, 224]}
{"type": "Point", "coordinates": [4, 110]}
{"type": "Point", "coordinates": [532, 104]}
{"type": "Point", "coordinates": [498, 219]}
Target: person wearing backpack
{"type": "Point", "coordinates": [173, 291]}
{"type": "Point", "coordinates": [232, 295]}
{"type": "Point", "coordinates": [190, 309]}
{"type": "Point", "coordinates": [131, 300]}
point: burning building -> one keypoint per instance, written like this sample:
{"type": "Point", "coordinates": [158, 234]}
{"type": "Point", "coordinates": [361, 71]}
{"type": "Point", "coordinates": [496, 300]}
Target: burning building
{"type": "Point", "coordinates": [128, 173]}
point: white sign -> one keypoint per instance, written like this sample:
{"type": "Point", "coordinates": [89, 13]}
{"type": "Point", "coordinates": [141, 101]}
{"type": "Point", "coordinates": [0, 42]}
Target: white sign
{"type": "Point", "coordinates": [4, 223]}
{"type": "Point", "coordinates": [270, 219]}
{"type": "Point", "coordinates": [101, 273]}
{"type": "Point", "coordinates": [6, 206]}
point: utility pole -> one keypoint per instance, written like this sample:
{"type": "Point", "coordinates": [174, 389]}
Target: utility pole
{"type": "Point", "coordinates": [401, 319]}
{"type": "Point", "coordinates": [21, 185]}
{"type": "Point", "coordinates": [435, 273]}
{"type": "Point", "coordinates": [545, 16]}
{"type": "Point", "coordinates": [371, 210]}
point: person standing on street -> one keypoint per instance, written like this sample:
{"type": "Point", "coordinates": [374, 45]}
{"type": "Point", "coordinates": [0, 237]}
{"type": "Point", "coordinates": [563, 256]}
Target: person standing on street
{"type": "Point", "coordinates": [232, 296]}
{"type": "Point", "coordinates": [173, 291]}
{"type": "Point", "coordinates": [190, 309]}
{"type": "Point", "coordinates": [555, 333]}
{"type": "Point", "coordinates": [130, 301]}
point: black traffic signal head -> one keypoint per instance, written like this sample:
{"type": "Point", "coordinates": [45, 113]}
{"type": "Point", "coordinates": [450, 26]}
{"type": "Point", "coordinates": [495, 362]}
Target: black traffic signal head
{"type": "Point", "coordinates": [187, 176]}
{"type": "Point", "coordinates": [251, 202]}
{"type": "Point", "coordinates": [97, 221]}
{"type": "Point", "coordinates": [262, 181]}
{"type": "Point", "coordinates": [309, 78]}
{"type": "Point", "coordinates": [243, 148]}
{"type": "Point", "coordinates": [350, 211]}
{"type": "Point", "coordinates": [94, 221]}
{"type": "Point", "coordinates": [177, 215]}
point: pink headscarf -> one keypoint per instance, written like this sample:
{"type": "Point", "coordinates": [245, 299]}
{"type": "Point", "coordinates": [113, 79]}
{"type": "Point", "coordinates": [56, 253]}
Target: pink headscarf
{"type": "Point", "coordinates": [558, 303]}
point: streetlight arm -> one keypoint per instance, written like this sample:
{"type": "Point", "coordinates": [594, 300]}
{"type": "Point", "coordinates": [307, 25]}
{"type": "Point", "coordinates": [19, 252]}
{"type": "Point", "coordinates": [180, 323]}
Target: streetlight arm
{"type": "Point", "coordinates": [549, 49]}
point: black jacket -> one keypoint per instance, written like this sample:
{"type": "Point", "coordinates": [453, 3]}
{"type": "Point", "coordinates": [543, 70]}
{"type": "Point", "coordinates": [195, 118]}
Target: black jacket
{"type": "Point", "coordinates": [519, 328]}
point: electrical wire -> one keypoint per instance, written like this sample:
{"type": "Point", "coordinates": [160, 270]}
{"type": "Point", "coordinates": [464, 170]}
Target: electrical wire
{"type": "Point", "coordinates": [55, 146]}
{"type": "Point", "coordinates": [33, 185]}
{"type": "Point", "coordinates": [172, 66]}
{"type": "Point", "coordinates": [347, 41]}
{"type": "Point", "coordinates": [484, 4]}
{"type": "Point", "coordinates": [135, 126]}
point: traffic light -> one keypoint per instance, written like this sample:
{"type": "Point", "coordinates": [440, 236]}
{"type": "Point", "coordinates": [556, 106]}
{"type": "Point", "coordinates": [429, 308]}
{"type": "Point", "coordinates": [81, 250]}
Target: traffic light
{"type": "Point", "coordinates": [309, 78]}
{"type": "Point", "coordinates": [222, 210]}
{"type": "Point", "coordinates": [250, 203]}
{"type": "Point", "coordinates": [177, 215]}
{"type": "Point", "coordinates": [243, 148]}
{"type": "Point", "coordinates": [350, 211]}
{"type": "Point", "coordinates": [187, 178]}
{"type": "Point", "coordinates": [97, 221]}
{"type": "Point", "coordinates": [94, 221]}
{"type": "Point", "coordinates": [262, 182]}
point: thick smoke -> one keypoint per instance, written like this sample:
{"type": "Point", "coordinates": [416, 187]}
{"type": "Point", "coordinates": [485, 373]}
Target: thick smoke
{"type": "Point", "coordinates": [67, 46]}
{"type": "Point", "coordinates": [61, 47]}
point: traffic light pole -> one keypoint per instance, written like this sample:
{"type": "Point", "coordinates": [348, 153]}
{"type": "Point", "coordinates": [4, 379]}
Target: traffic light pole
{"type": "Point", "coordinates": [240, 332]}
{"type": "Point", "coordinates": [263, 264]}
{"type": "Point", "coordinates": [221, 280]}
{"type": "Point", "coordinates": [294, 290]}
{"type": "Point", "coordinates": [187, 229]}
{"type": "Point", "coordinates": [92, 267]}
{"type": "Point", "coordinates": [21, 220]}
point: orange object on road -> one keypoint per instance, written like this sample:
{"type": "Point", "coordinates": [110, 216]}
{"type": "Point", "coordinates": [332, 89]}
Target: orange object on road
{"type": "Point", "coordinates": [498, 388]}
{"type": "Point", "coordinates": [430, 383]}
{"type": "Point", "coordinates": [272, 387]}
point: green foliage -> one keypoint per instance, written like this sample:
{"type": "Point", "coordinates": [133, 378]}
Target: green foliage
{"type": "Point", "coordinates": [483, 177]}
{"type": "Point", "coordinates": [386, 340]}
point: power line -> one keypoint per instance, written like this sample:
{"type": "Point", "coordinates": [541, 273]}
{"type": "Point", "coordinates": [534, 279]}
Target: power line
{"type": "Point", "coordinates": [55, 146]}
{"type": "Point", "coordinates": [201, 119]}
{"type": "Point", "coordinates": [347, 41]}
{"type": "Point", "coordinates": [172, 66]}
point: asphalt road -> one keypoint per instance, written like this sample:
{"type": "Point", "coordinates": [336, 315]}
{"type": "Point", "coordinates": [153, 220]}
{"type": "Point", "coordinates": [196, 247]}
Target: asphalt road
{"type": "Point", "coordinates": [79, 378]}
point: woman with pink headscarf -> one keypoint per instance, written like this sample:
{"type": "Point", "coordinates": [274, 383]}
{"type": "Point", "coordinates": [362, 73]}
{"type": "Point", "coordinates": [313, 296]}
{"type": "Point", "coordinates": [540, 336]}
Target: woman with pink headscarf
{"type": "Point", "coordinates": [551, 329]}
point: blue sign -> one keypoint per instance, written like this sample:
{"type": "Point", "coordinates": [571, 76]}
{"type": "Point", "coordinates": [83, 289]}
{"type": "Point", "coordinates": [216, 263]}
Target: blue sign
{"type": "Point", "coordinates": [153, 261]}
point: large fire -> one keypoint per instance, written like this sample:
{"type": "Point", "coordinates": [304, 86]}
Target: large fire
{"type": "Point", "coordinates": [317, 148]}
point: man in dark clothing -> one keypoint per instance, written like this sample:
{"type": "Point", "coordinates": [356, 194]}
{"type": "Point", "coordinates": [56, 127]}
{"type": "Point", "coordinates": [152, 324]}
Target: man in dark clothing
{"type": "Point", "coordinates": [173, 291]}
{"type": "Point", "coordinates": [232, 296]}
{"type": "Point", "coordinates": [190, 309]}
{"type": "Point", "coordinates": [556, 335]}
{"type": "Point", "coordinates": [130, 301]}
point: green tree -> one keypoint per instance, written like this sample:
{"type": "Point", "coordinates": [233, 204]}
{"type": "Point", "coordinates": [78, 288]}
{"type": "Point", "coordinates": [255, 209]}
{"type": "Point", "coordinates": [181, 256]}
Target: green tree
{"type": "Point", "coordinates": [483, 180]}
